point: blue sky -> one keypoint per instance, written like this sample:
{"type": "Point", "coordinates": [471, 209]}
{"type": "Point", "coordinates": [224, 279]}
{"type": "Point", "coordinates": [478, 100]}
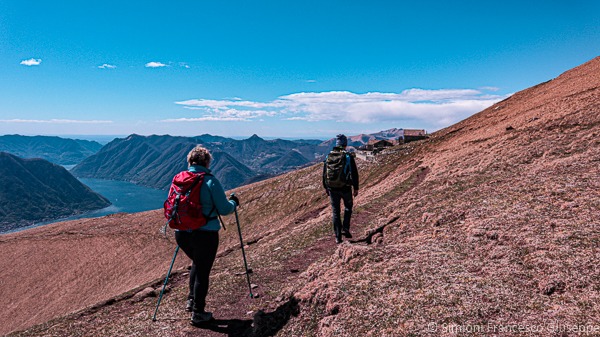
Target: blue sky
{"type": "Point", "coordinates": [276, 68]}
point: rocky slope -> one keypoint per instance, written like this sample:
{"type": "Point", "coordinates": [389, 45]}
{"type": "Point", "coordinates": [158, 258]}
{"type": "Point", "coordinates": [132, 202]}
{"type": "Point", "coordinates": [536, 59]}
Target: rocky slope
{"type": "Point", "coordinates": [35, 190]}
{"type": "Point", "coordinates": [56, 150]}
{"type": "Point", "coordinates": [489, 224]}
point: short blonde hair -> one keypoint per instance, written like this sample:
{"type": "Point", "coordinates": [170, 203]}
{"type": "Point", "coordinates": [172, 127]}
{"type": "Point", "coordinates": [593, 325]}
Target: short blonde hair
{"type": "Point", "coordinates": [199, 156]}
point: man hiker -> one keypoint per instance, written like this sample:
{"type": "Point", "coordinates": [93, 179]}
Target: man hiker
{"type": "Point", "coordinates": [340, 180]}
{"type": "Point", "coordinates": [201, 244]}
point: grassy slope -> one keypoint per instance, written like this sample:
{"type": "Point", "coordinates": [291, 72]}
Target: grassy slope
{"type": "Point", "coordinates": [503, 229]}
{"type": "Point", "coordinates": [279, 230]}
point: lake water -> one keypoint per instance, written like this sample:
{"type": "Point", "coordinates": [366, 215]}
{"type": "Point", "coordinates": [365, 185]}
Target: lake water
{"type": "Point", "coordinates": [124, 196]}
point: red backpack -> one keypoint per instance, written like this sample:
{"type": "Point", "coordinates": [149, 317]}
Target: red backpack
{"type": "Point", "coordinates": [183, 209]}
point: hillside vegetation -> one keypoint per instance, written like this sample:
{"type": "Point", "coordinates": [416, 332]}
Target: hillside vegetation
{"type": "Point", "coordinates": [34, 190]}
{"type": "Point", "coordinates": [492, 222]}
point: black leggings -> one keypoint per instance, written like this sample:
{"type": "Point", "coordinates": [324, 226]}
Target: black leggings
{"type": "Point", "coordinates": [201, 247]}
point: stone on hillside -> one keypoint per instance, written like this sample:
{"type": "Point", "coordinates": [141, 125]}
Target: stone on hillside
{"type": "Point", "coordinates": [478, 232]}
{"type": "Point", "coordinates": [146, 292]}
{"type": "Point", "coordinates": [568, 205]}
{"type": "Point", "coordinates": [430, 219]}
{"type": "Point", "coordinates": [377, 238]}
{"type": "Point", "coordinates": [332, 308]}
{"type": "Point", "coordinates": [348, 252]}
{"type": "Point", "coordinates": [552, 286]}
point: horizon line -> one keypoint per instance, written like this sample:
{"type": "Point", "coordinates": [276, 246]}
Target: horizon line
{"type": "Point", "coordinates": [237, 137]}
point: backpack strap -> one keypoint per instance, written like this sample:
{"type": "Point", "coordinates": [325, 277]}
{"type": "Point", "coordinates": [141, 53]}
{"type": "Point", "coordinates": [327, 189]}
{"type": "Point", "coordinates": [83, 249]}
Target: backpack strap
{"type": "Point", "coordinates": [214, 208]}
{"type": "Point", "coordinates": [348, 167]}
{"type": "Point", "coordinates": [189, 189]}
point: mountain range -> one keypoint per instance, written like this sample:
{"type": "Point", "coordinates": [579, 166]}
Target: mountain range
{"type": "Point", "coordinates": [33, 190]}
{"type": "Point", "coordinates": [153, 160]}
{"type": "Point", "coordinates": [150, 160]}
{"type": "Point", "coordinates": [62, 151]}
{"type": "Point", "coordinates": [488, 225]}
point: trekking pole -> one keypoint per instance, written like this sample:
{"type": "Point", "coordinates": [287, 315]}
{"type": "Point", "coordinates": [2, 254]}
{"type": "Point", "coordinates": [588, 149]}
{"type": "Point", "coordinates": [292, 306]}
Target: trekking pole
{"type": "Point", "coordinates": [243, 252]}
{"type": "Point", "coordinates": [165, 284]}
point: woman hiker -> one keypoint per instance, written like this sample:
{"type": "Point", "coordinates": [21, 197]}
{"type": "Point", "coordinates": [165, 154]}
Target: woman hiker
{"type": "Point", "coordinates": [201, 244]}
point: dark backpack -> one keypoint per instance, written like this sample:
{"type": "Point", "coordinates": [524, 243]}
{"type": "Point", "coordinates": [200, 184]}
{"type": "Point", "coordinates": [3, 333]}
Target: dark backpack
{"type": "Point", "coordinates": [183, 209]}
{"type": "Point", "coordinates": [337, 169]}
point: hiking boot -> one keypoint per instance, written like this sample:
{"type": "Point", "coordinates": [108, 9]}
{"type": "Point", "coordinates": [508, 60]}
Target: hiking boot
{"type": "Point", "coordinates": [200, 318]}
{"type": "Point", "coordinates": [338, 240]}
{"type": "Point", "coordinates": [189, 305]}
{"type": "Point", "coordinates": [346, 234]}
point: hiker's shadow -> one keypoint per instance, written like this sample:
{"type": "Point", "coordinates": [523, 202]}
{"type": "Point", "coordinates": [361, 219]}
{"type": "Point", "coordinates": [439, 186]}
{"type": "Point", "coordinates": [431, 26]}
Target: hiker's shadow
{"type": "Point", "coordinates": [263, 325]}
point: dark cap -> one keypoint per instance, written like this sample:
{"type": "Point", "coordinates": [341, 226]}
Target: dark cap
{"type": "Point", "coordinates": [341, 140]}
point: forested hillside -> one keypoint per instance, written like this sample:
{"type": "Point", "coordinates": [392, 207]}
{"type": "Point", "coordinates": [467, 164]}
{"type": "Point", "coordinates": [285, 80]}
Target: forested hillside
{"type": "Point", "coordinates": [33, 190]}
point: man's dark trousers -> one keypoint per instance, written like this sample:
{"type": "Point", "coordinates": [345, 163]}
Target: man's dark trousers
{"type": "Point", "coordinates": [336, 197]}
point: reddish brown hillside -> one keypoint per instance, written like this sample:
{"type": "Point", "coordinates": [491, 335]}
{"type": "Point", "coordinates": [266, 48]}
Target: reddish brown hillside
{"type": "Point", "coordinates": [490, 223]}
{"type": "Point", "coordinates": [494, 222]}
{"type": "Point", "coordinates": [59, 268]}
{"type": "Point", "coordinates": [82, 265]}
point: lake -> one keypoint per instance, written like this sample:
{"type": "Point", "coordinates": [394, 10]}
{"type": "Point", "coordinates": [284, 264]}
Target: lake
{"type": "Point", "coordinates": [124, 196]}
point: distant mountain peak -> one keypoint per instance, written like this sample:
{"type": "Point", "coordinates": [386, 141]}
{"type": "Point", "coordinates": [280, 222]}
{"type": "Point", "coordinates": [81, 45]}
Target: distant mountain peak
{"type": "Point", "coordinates": [255, 137]}
{"type": "Point", "coordinates": [132, 136]}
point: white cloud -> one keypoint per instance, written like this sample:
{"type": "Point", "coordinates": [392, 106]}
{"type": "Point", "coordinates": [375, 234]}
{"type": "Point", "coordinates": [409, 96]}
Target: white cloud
{"type": "Point", "coordinates": [438, 108]}
{"type": "Point", "coordinates": [107, 66]}
{"type": "Point", "coordinates": [31, 62]}
{"type": "Point", "coordinates": [311, 81]}
{"type": "Point", "coordinates": [489, 88]}
{"type": "Point", "coordinates": [206, 119]}
{"type": "Point", "coordinates": [225, 115]}
{"type": "Point", "coordinates": [226, 103]}
{"type": "Point", "coordinates": [184, 65]}
{"type": "Point", "coordinates": [155, 65]}
{"type": "Point", "coordinates": [432, 106]}
{"type": "Point", "coordinates": [54, 121]}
